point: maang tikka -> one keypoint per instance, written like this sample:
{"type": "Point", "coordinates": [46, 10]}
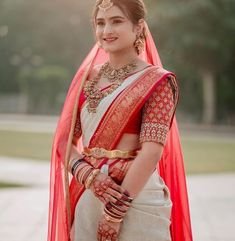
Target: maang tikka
{"type": "Point", "coordinates": [105, 5]}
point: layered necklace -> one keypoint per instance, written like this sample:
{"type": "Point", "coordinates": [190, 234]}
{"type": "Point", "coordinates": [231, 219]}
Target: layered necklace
{"type": "Point", "coordinates": [94, 94]}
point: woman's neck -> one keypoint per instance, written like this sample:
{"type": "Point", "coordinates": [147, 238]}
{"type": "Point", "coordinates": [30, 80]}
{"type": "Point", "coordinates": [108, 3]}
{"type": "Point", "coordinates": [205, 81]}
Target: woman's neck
{"type": "Point", "coordinates": [118, 60]}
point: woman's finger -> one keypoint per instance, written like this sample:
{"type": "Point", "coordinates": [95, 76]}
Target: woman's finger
{"type": "Point", "coordinates": [109, 198]}
{"type": "Point", "coordinates": [118, 188]}
{"type": "Point", "coordinates": [122, 203]}
{"type": "Point", "coordinates": [120, 208]}
{"type": "Point", "coordinates": [114, 193]}
{"type": "Point", "coordinates": [117, 195]}
{"type": "Point", "coordinates": [106, 198]}
{"type": "Point", "coordinates": [102, 199]}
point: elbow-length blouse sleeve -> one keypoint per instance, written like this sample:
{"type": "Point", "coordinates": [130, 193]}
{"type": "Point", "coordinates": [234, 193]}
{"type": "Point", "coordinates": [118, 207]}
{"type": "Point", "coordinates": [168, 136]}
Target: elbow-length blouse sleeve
{"type": "Point", "coordinates": [158, 111]}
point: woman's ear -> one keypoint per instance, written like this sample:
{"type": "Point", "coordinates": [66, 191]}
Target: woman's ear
{"type": "Point", "coordinates": [139, 27]}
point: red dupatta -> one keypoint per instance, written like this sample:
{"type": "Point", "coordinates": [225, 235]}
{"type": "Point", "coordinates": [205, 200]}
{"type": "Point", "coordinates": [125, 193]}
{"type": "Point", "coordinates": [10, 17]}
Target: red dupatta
{"type": "Point", "coordinates": [63, 193]}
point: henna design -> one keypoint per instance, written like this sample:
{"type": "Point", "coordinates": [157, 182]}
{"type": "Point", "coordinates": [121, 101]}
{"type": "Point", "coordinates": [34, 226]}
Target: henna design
{"type": "Point", "coordinates": [100, 187]}
{"type": "Point", "coordinates": [106, 190]}
{"type": "Point", "coordinates": [107, 231]}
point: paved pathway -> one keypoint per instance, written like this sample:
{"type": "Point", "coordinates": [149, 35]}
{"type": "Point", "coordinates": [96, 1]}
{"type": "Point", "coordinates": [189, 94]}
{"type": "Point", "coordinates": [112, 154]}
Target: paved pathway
{"type": "Point", "coordinates": [24, 210]}
{"type": "Point", "coordinates": [212, 202]}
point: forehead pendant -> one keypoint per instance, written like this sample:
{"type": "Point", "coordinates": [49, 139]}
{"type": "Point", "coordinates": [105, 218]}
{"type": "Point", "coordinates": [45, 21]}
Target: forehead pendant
{"type": "Point", "coordinates": [105, 5]}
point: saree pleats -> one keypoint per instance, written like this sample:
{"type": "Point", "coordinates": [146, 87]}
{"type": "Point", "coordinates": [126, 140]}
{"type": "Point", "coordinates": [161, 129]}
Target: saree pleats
{"type": "Point", "coordinates": [148, 218]}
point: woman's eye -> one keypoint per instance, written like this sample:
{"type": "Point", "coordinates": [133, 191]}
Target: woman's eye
{"type": "Point", "coordinates": [100, 23]}
{"type": "Point", "coordinates": [116, 21]}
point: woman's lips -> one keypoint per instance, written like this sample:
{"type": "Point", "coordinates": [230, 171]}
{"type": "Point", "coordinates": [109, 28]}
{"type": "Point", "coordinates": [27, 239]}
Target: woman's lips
{"type": "Point", "coordinates": [109, 40]}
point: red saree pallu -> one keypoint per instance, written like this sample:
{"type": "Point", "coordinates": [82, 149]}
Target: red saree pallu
{"type": "Point", "coordinates": [65, 192]}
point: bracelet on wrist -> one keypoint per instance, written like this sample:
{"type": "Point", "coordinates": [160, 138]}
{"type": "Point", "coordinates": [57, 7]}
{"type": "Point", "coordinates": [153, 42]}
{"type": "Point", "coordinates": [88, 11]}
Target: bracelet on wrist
{"type": "Point", "coordinates": [82, 172]}
{"type": "Point", "coordinates": [78, 169]}
{"type": "Point", "coordinates": [91, 177]}
{"type": "Point", "coordinates": [76, 164]}
{"type": "Point", "coordinates": [113, 215]}
{"type": "Point", "coordinates": [75, 167]}
{"type": "Point", "coordinates": [111, 219]}
{"type": "Point", "coordinates": [114, 212]}
{"type": "Point", "coordinates": [118, 208]}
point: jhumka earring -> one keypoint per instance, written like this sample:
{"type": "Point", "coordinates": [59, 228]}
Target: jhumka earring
{"type": "Point", "coordinates": [105, 5]}
{"type": "Point", "coordinates": [139, 43]}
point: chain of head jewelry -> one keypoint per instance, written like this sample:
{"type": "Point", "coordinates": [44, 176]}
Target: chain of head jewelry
{"type": "Point", "coordinates": [105, 5]}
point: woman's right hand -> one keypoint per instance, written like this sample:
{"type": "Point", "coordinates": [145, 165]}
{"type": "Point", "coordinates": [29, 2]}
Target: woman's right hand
{"type": "Point", "coordinates": [107, 190]}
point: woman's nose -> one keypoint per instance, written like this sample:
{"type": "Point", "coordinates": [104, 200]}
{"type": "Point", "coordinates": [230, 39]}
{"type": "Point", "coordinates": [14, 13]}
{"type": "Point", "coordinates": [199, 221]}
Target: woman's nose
{"type": "Point", "coordinates": [107, 29]}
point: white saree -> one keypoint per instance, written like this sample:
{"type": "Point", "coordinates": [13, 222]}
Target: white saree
{"type": "Point", "coordinates": [149, 216]}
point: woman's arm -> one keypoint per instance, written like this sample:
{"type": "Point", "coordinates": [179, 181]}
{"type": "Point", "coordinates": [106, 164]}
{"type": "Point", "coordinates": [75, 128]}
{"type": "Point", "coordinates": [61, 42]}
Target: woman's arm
{"type": "Point", "coordinates": [157, 115]}
{"type": "Point", "coordinates": [74, 154]}
{"type": "Point", "coordinates": [142, 167]}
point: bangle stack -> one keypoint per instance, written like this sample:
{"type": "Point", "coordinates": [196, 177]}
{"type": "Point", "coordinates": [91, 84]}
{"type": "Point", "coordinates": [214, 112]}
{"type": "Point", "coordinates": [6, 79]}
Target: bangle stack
{"type": "Point", "coordinates": [83, 172]}
{"type": "Point", "coordinates": [114, 212]}
{"type": "Point", "coordinates": [91, 177]}
{"type": "Point", "coordinates": [75, 165]}
{"type": "Point", "coordinates": [111, 219]}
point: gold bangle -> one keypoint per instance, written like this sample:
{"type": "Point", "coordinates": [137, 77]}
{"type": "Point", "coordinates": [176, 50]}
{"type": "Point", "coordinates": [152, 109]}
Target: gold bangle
{"type": "Point", "coordinates": [79, 169]}
{"type": "Point", "coordinates": [119, 208]}
{"type": "Point", "coordinates": [113, 215]}
{"type": "Point", "coordinates": [115, 211]}
{"type": "Point", "coordinates": [91, 178]}
{"type": "Point", "coordinates": [111, 219]}
{"type": "Point", "coordinates": [82, 173]}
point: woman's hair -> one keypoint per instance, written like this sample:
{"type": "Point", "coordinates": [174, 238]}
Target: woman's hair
{"type": "Point", "coordinates": [133, 9]}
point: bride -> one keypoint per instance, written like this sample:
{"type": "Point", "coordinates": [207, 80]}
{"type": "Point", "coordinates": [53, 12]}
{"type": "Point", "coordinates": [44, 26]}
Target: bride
{"type": "Point", "coordinates": [117, 169]}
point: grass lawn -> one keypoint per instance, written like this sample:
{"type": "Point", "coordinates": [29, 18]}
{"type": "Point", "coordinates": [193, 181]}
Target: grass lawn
{"type": "Point", "coordinates": [201, 154]}
{"type": "Point", "coordinates": [208, 155]}
{"type": "Point", "coordinates": [26, 144]}
{"type": "Point", "coordinates": [10, 185]}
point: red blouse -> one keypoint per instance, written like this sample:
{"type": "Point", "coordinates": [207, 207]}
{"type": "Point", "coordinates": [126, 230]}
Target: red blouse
{"type": "Point", "coordinates": [153, 122]}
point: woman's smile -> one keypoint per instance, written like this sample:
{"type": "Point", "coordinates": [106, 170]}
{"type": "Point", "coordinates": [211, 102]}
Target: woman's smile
{"type": "Point", "coordinates": [109, 39]}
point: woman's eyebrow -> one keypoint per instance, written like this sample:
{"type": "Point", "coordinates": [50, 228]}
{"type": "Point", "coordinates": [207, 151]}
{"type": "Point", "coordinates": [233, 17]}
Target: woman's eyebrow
{"type": "Point", "coordinates": [114, 17]}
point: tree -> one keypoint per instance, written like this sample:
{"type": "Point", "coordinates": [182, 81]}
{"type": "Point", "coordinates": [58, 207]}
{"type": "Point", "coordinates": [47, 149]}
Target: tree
{"type": "Point", "coordinates": [201, 36]}
{"type": "Point", "coordinates": [41, 33]}
{"type": "Point", "coordinates": [42, 87]}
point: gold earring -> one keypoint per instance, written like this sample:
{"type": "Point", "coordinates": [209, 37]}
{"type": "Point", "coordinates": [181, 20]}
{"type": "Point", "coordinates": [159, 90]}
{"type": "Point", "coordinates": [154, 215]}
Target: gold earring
{"type": "Point", "coordinates": [139, 43]}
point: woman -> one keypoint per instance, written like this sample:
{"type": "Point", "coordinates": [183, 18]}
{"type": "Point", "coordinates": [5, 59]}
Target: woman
{"type": "Point", "coordinates": [116, 127]}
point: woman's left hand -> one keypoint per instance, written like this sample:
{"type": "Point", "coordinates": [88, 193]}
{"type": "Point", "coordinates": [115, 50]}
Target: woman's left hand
{"type": "Point", "coordinates": [107, 231]}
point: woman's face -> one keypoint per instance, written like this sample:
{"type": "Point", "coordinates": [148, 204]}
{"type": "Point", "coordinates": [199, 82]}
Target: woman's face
{"type": "Point", "coordinates": [114, 31]}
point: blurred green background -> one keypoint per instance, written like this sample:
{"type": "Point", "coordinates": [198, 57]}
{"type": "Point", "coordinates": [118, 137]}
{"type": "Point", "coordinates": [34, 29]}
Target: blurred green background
{"type": "Point", "coordinates": [43, 42]}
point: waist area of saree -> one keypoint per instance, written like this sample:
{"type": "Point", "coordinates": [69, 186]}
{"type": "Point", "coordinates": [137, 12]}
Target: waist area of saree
{"type": "Point", "coordinates": [99, 152]}
{"type": "Point", "coordinates": [117, 162]}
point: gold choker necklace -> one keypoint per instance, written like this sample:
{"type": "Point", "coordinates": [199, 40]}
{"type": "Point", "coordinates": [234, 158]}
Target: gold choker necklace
{"type": "Point", "coordinates": [113, 74]}
{"type": "Point", "coordinates": [94, 94]}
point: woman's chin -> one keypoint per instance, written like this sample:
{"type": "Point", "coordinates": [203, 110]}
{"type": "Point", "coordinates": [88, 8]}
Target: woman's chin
{"type": "Point", "coordinates": [111, 50]}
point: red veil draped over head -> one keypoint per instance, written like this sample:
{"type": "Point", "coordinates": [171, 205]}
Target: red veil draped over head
{"type": "Point", "coordinates": [170, 167]}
